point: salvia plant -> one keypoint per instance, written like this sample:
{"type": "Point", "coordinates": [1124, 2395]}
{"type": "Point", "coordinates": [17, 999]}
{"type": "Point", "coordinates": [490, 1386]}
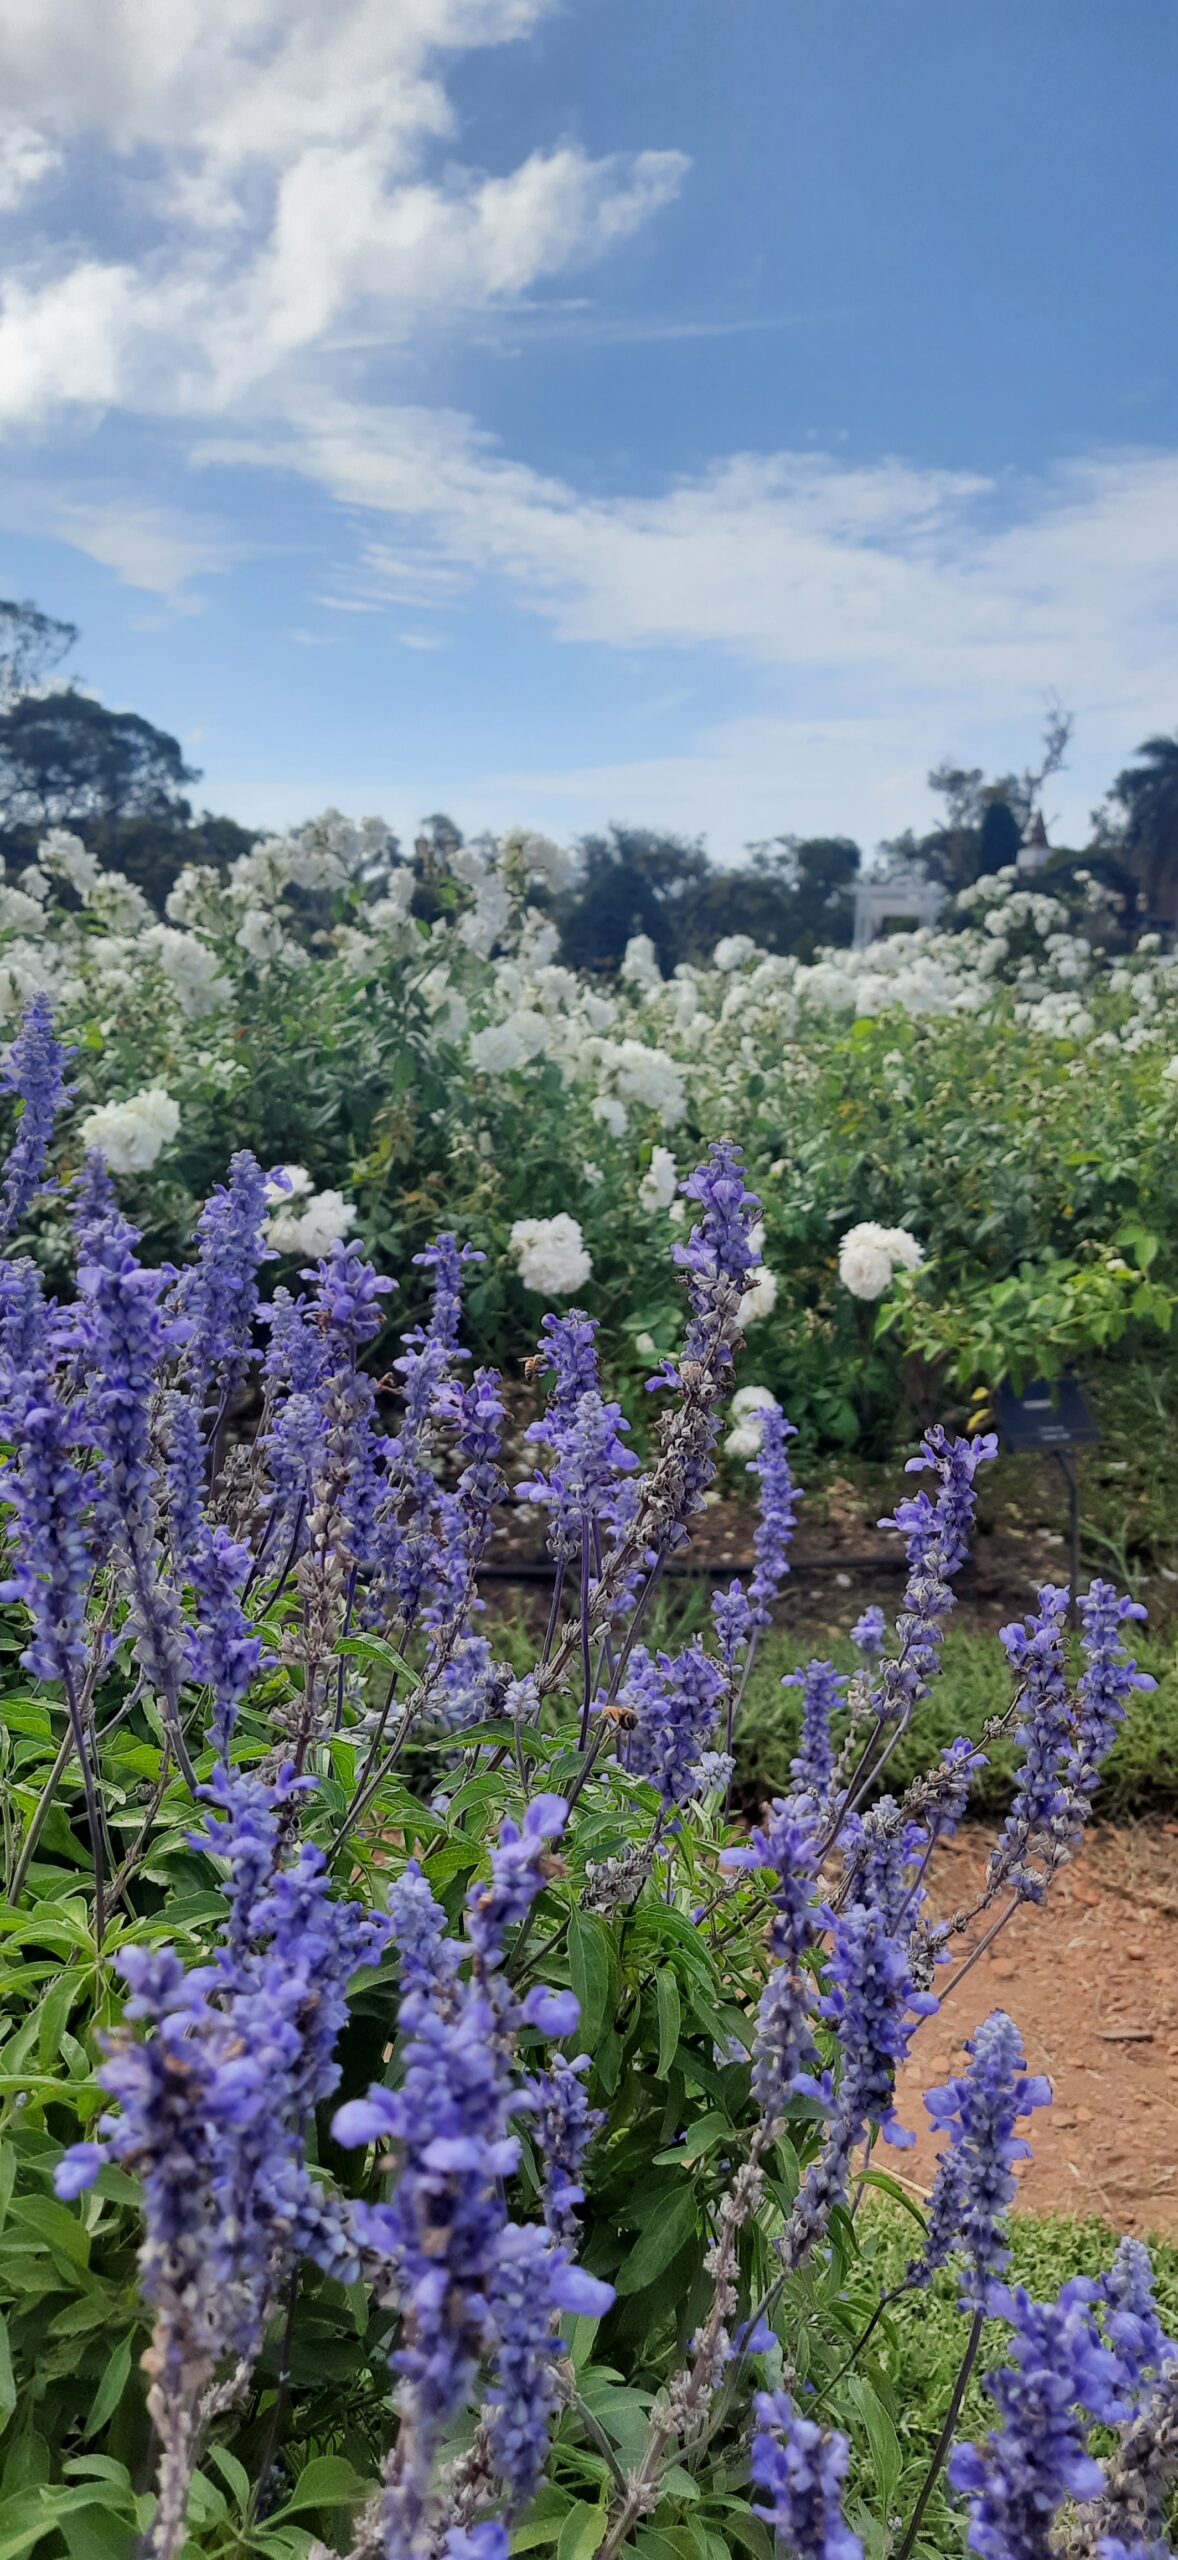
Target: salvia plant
{"type": "Point", "coordinates": [432, 2126]}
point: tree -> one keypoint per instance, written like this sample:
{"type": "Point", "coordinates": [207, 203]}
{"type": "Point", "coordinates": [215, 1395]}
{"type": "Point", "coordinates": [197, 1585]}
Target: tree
{"type": "Point", "coordinates": [984, 821]}
{"type": "Point", "coordinates": [111, 777]}
{"type": "Point", "coordinates": [1148, 832]}
{"type": "Point", "coordinates": [793, 895]}
{"type": "Point", "coordinates": [32, 643]}
{"type": "Point", "coordinates": [633, 880]}
{"type": "Point", "coordinates": [66, 761]}
{"type": "Point", "coordinates": [999, 838]}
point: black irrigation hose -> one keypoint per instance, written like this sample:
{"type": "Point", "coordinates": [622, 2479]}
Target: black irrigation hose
{"type": "Point", "coordinates": [862, 1568]}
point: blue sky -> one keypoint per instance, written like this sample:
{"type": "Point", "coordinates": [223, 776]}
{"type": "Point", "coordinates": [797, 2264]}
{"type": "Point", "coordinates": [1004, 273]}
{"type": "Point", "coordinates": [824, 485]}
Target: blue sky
{"type": "Point", "coordinates": [707, 412]}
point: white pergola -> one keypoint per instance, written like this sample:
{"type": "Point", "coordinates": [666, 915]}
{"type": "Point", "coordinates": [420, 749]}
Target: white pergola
{"type": "Point", "coordinates": [906, 897]}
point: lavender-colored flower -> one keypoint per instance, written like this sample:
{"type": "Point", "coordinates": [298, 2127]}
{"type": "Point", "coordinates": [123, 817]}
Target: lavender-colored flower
{"type": "Point", "coordinates": [23, 1329]}
{"type": "Point", "coordinates": [223, 1648]}
{"type": "Point", "coordinates": [974, 2186]}
{"type": "Point", "coordinates": [676, 1701]}
{"type": "Point", "coordinates": [96, 1212]}
{"type": "Point", "coordinates": [801, 2469]}
{"type": "Point", "coordinates": [429, 1958]}
{"type": "Point", "coordinates": [936, 1531]}
{"type": "Point", "coordinates": [1017, 2481]}
{"type": "Point", "coordinates": [48, 1490]}
{"type": "Point", "coordinates": [218, 1295]}
{"type": "Point", "coordinates": [785, 2049]}
{"type": "Point", "coordinates": [875, 2009]}
{"type": "Point", "coordinates": [518, 1867]}
{"type": "Point", "coordinates": [294, 1428]}
{"type": "Point", "coordinates": [1035, 1652]}
{"type": "Point", "coordinates": [124, 1336]}
{"type": "Point", "coordinates": [777, 1511]}
{"type": "Point", "coordinates": [1109, 1679]}
{"type": "Point", "coordinates": [719, 1255]}
{"type": "Point", "coordinates": [1131, 2323]}
{"type": "Point", "coordinates": [489, 2541]}
{"type": "Point", "coordinates": [186, 2095]}
{"type": "Point", "coordinates": [585, 1435]}
{"type": "Point", "coordinates": [563, 2126]}
{"type": "Point", "coordinates": [732, 1618]}
{"type": "Point", "coordinates": [32, 1071]}
{"type": "Point", "coordinates": [867, 1634]}
{"type": "Point", "coordinates": [405, 1546]}
{"type": "Point", "coordinates": [533, 2282]}
{"type": "Point", "coordinates": [812, 1766]}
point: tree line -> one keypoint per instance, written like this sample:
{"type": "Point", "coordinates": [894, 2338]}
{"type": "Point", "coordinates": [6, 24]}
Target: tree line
{"type": "Point", "coordinates": [122, 784]}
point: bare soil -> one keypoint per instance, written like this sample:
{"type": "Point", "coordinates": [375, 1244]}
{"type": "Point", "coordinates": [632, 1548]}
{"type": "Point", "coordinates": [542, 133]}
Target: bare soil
{"type": "Point", "coordinates": [1092, 1981]}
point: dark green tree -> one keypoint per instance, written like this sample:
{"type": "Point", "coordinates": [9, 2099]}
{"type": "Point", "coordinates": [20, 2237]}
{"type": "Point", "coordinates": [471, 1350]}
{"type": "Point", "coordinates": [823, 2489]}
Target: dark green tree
{"type": "Point", "coordinates": [1146, 805]}
{"type": "Point", "coordinates": [111, 777]}
{"type": "Point", "coordinates": [32, 644]}
{"type": "Point", "coordinates": [633, 880]}
{"type": "Point", "coordinates": [999, 838]}
{"type": "Point", "coordinates": [67, 761]}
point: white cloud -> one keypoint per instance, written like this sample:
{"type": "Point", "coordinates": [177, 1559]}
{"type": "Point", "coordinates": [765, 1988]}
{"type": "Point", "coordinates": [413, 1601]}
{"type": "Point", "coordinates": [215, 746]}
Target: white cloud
{"type": "Point", "coordinates": [281, 165]}
{"type": "Point", "coordinates": [157, 549]}
{"type": "Point", "coordinates": [273, 153]}
{"type": "Point", "coordinates": [944, 588]}
{"type": "Point", "coordinates": [885, 615]}
{"type": "Point", "coordinates": [26, 157]}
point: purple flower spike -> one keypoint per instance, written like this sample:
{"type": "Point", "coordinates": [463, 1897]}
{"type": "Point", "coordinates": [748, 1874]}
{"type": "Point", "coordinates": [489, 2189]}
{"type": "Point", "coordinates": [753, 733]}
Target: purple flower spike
{"type": "Point", "coordinates": [974, 2185]}
{"type": "Point", "coordinates": [33, 1072]}
{"type": "Point", "coordinates": [801, 2470]}
{"type": "Point", "coordinates": [1018, 2480]}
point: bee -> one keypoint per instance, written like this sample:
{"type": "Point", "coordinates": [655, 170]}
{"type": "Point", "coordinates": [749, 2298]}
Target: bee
{"type": "Point", "coordinates": [535, 1365]}
{"type": "Point", "coordinates": [623, 1718]}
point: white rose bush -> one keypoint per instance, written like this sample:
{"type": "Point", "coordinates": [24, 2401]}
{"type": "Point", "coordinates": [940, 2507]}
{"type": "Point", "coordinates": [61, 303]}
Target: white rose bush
{"type": "Point", "coordinates": [432, 2125]}
{"type": "Point", "coordinates": [962, 1139]}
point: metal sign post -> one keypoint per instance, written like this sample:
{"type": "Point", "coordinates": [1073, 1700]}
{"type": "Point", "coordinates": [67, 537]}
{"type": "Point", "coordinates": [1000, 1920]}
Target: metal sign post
{"type": "Point", "coordinates": [1053, 1420]}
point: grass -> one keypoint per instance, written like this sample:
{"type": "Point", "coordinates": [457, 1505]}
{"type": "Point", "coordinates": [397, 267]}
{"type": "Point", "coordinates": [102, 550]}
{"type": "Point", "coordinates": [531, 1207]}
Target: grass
{"type": "Point", "coordinates": [924, 2337]}
{"type": "Point", "coordinates": [1141, 1773]}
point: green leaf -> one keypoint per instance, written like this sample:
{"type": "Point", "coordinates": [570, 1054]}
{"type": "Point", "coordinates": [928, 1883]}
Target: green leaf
{"type": "Point", "coordinates": [582, 2530]}
{"type": "Point", "coordinates": [110, 2389]}
{"type": "Point", "coordinates": [700, 2138]}
{"type": "Point", "coordinates": [7, 2384]}
{"type": "Point", "coordinates": [669, 2010]}
{"type": "Point", "coordinates": [54, 2223]}
{"type": "Point", "coordinates": [233, 2472]}
{"type": "Point", "coordinates": [591, 1972]}
{"type": "Point", "coordinates": [663, 2237]}
{"type": "Point", "coordinates": [882, 2438]}
{"type": "Point", "coordinates": [53, 2016]}
{"type": "Point", "coordinates": [326, 2481]}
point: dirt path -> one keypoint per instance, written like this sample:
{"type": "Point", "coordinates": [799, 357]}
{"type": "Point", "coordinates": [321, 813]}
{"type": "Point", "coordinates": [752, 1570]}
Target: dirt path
{"type": "Point", "coordinates": [1092, 1981]}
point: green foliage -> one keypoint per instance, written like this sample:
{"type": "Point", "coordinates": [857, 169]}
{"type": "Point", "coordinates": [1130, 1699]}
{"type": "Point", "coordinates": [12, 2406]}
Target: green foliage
{"type": "Point", "coordinates": [1141, 1773]}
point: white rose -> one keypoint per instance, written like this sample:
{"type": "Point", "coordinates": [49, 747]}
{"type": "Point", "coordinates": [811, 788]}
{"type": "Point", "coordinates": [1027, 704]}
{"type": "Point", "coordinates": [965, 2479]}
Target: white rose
{"type": "Point", "coordinates": [18, 912]}
{"type": "Point", "coordinates": [259, 934]}
{"type": "Point", "coordinates": [324, 1217]}
{"type": "Point", "coordinates": [865, 1260]}
{"type": "Point", "coordinates": [190, 969]}
{"type": "Point", "coordinates": [550, 1254]}
{"type": "Point", "coordinates": [130, 1135]}
{"type": "Point", "coordinates": [733, 950]}
{"type": "Point", "coordinates": [287, 1182]}
{"type": "Point", "coordinates": [749, 1406]}
{"type": "Point", "coordinates": [497, 1050]}
{"type": "Point", "coordinates": [759, 1298]}
{"type": "Point", "coordinates": [64, 857]}
{"type": "Point", "coordinates": [118, 904]}
{"type": "Point", "coordinates": [611, 1113]}
{"type": "Point", "coordinates": [660, 1182]}
{"type": "Point", "coordinates": [906, 1254]}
